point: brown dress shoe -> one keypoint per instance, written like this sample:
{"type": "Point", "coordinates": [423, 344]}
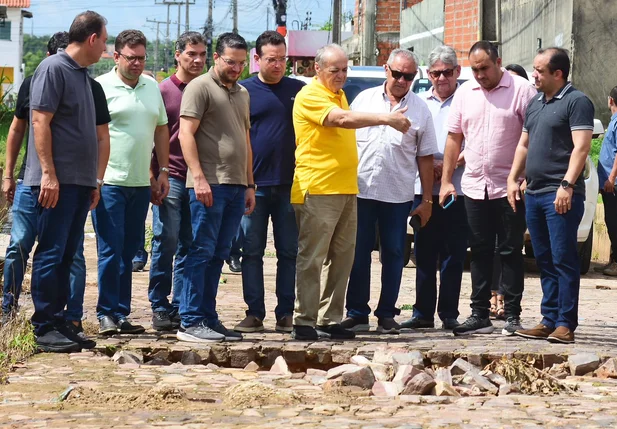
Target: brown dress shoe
{"type": "Point", "coordinates": [539, 332]}
{"type": "Point", "coordinates": [561, 335]}
{"type": "Point", "coordinates": [284, 324]}
{"type": "Point", "coordinates": [249, 324]}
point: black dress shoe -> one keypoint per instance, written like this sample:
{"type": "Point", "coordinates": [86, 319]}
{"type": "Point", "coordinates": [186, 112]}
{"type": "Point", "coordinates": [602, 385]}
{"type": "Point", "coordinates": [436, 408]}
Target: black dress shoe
{"type": "Point", "coordinates": [107, 326]}
{"type": "Point", "coordinates": [54, 342]}
{"type": "Point", "coordinates": [161, 321]}
{"type": "Point", "coordinates": [234, 264]}
{"type": "Point", "coordinates": [77, 335]}
{"type": "Point", "coordinates": [417, 323]}
{"type": "Point", "coordinates": [126, 327]}
{"type": "Point", "coordinates": [174, 316]}
{"type": "Point", "coordinates": [304, 333]}
{"type": "Point", "coordinates": [138, 266]}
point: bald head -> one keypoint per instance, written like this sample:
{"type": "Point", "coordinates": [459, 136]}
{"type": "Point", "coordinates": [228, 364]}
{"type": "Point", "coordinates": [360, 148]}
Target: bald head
{"type": "Point", "coordinates": [331, 67]}
{"type": "Point", "coordinates": [329, 54]}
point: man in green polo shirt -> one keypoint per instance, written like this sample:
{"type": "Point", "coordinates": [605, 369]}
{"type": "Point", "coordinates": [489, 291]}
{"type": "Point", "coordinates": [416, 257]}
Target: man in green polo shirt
{"type": "Point", "coordinates": [138, 117]}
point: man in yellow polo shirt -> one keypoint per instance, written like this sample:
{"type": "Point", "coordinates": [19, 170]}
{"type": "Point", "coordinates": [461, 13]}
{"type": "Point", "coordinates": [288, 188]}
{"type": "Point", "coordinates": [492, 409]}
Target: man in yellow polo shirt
{"type": "Point", "coordinates": [324, 192]}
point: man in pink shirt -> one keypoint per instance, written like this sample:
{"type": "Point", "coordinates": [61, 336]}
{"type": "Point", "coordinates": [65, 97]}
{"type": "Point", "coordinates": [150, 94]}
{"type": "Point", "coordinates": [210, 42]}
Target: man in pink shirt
{"type": "Point", "coordinates": [488, 113]}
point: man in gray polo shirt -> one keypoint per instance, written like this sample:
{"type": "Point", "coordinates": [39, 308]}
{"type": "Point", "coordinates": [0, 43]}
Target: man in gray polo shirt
{"type": "Point", "coordinates": [552, 151]}
{"type": "Point", "coordinates": [214, 135]}
{"type": "Point", "coordinates": [63, 176]}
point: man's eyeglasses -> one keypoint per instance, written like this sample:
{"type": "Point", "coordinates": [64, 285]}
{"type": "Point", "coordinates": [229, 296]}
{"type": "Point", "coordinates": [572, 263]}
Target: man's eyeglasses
{"type": "Point", "coordinates": [232, 63]}
{"type": "Point", "coordinates": [398, 74]}
{"type": "Point", "coordinates": [436, 74]}
{"type": "Point", "coordinates": [272, 60]}
{"type": "Point", "coordinates": [134, 58]}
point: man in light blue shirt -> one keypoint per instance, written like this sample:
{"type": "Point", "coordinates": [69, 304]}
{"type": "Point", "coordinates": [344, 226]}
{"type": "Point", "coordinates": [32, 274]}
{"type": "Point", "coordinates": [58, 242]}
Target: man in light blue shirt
{"type": "Point", "coordinates": [607, 174]}
{"type": "Point", "coordinates": [444, 237]}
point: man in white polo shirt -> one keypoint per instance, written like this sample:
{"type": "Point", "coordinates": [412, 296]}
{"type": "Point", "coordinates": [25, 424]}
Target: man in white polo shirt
{"type": "Point", "coordinates": [138, 117]}
{"type": "Point", "coordinates": [387, 169]}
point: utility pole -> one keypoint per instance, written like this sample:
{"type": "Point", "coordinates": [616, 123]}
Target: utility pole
{"type": "Point", "coordinates": [179, 15]}
{"type": "Point", "coordinates": [234, 12]}
{"type": "Point", "coordinates": [167, 48]}
{"type": "Point", "coordinates": [267, 17]}
{"type": "Point", "coordinates": [208, 34]}
{"type": "Point", "coordinates": [336, 22]}
{"type": "Point", "coordinates": [186, 28]}
{"type": "Point", "coordinates": [156, 43]}
{"type": "Point", "coordinates": [368, 57]}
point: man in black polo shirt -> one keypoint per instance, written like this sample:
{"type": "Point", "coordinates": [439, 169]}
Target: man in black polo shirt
{"type": "Point", "coordinates": [552, 150]}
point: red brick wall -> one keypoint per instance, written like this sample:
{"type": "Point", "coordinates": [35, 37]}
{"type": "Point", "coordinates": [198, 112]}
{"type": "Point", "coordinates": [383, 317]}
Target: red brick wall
{"type": "Point", "coordinates": [461, 26]}
{"type": "Point", "coordinates": [388, 16]}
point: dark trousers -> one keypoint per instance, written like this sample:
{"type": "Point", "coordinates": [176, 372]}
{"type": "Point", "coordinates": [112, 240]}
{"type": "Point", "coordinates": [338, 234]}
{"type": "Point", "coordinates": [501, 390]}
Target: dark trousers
{"type": "Point", "coordinates": [60, 231]}
{"type": "Point", "coordinates": [610, 219]}
{"type": "Point", "coordinates": [553, 237]}
{"type": "Point", "coordinates": [391, 218]}
{"type": "Point", "coordinates": [443, 238]}
{"type": "Point", "coordinates": [489, 219]}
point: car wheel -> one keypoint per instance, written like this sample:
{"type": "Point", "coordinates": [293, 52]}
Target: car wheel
{"type": "Point", "coordinates": [584, 252]}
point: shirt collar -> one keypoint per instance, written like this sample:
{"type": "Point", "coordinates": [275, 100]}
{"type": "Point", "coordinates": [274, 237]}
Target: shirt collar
{"type": "Point", "coordinates": [317, 82]}
{"type": "Point", "coordinates": [559, 95]}
{"type": "Point", "coordinates": [402, 101]}
{"type": "Point", "coordinates": [118, 82]}
{"type": "Point", "coordinates": [505, 81]}
{"type": "Point", "coordinates": [431, 96]}
{"type": "Point", "coordinates": [181, 85]}
{"type": "Point", "coordinates": [614, 116]}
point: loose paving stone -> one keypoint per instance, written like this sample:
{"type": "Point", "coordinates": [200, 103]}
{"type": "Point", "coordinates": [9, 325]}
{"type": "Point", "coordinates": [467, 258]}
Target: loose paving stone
{"type": "Point", "coordinates": [608, 369]}
{"type": "Point", "coordinates": [582, 363]}
{"type": "Point", "coordinates": [404, 374]}
{"type": "Point", "coordinates": [444, 389]}
{"type": "Point", "coordinates": [280, 367]}
{"type": "Point", "coordinates": [362, 377]}
{"type": "Point", "coordinates": [420, 384]}
{"type": "Point", "coordinates": [125, 356]}
{"type": "Point", "coordinates": [339, 370]}
{"type": "Point", "coordinates": [385, 388]}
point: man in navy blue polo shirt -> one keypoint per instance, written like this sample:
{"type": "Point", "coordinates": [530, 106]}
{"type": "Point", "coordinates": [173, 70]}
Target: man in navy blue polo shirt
{"type": "Point", "coordinates": [273, 141]}
{"type": "Point", "coordinates": [552, 151]}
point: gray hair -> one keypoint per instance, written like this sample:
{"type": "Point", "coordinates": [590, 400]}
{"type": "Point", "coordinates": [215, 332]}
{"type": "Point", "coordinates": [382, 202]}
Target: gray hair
{"type": "Point", "coordinates": [444, 53]}
{"type": "Point", "coordinates": [405, 53]}
{"type": "Point", "coordinates": [322, 53]}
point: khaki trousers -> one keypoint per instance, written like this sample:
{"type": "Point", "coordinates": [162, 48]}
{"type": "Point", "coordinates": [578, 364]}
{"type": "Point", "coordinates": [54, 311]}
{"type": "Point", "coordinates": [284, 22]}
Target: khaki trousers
{"type": "Point", "coordinates": [326, 236]}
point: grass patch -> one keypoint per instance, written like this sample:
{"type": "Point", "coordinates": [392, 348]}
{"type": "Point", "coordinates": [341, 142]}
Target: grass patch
{"type": "Point", "coordinates": [17, 342]}
{"type": "Point", "coordinates": [407, 307]}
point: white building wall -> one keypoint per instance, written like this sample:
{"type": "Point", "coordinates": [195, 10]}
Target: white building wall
{"type": "Point", "coordinates": [11, 51]}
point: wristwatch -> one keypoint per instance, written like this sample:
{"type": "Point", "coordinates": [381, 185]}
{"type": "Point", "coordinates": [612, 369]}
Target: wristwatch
{"type": "Point", "coordinates": [164, 170]}
{"type": "Point", "coordinates": [252, 186]}
{"type": "Point", "coordinates": [565, 184]}
{"type": "Point", "coordinates": [100, 182]}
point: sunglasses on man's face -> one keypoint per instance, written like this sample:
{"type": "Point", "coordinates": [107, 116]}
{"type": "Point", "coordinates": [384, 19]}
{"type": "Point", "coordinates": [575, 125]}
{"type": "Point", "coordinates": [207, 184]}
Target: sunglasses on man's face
{"type": "Point", "coordinates": [398, 74]}
{"type": "Point", "coordinates": [436, 74]}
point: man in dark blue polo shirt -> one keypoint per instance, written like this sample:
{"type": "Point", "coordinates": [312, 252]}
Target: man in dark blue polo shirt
{"type": "Point", "coordinates": [273, 142]}
{"type": "Point", "coordinates": [552, 151]}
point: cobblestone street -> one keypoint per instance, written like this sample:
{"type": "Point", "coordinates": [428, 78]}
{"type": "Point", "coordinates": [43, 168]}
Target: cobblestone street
{"type": "Point", "coordinates": [199, 386]}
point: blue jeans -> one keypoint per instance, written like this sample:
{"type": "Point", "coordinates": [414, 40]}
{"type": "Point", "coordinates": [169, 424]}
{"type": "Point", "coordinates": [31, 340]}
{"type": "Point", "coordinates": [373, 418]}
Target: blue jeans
{"type": "Point", "coordinates": [237, 244]}
{"type": "Point", "coordinates": [443, 238]}
{"type": "Point", "coordinates": [60, 230]}
{"type": "Point", "coordinates": [271, 201]}
{"type": "Point", "coordinates": [553, 238]}
{"type": "Point", "coordinates": [213, 229]}
{"type": "Point", "coordinates": [172, 236]}
{"type": "Point", "coordinates": [118, 221]}
{"type": "Point", "coordinates": [391, 218]}
{"type": "Point", "coordinates": [23, 236]}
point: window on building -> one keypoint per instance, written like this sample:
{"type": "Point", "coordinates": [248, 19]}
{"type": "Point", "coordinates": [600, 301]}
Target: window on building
{"type": "Point", "coordinates": [5, 31]}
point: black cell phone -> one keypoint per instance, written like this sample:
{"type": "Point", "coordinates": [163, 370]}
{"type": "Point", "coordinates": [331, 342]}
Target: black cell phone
{"type": "Point", "coordinates": [415, 222]}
